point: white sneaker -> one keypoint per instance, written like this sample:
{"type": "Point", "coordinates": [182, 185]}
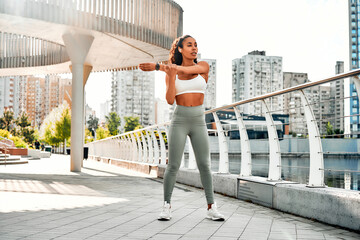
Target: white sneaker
{"type": "Point", "coordinates": [214, 214]}
{"type": "Point", "coordinates": [165, 214]}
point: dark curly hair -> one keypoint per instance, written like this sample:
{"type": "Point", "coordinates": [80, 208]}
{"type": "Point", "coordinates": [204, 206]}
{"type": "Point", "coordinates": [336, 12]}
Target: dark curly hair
{"type": "Point", "coordinates": [175, 57]}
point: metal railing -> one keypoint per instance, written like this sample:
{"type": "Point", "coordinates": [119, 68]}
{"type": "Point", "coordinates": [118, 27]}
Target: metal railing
{"type": "Point", "coordinates": [148, 146]}
{"type": "Point", "coordinates": [24, 51]}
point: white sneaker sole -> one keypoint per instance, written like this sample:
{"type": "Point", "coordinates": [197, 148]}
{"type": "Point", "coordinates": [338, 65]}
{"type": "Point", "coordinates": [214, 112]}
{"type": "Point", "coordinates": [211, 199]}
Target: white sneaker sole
{"type": "Point", "coordinates": [164, 219]}
{"type": "Point", "coordinates": [216, 219]}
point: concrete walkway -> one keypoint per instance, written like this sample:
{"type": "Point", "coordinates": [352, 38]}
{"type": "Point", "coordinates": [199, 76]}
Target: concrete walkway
{"type": "Point", "coordinates": [44, 200]}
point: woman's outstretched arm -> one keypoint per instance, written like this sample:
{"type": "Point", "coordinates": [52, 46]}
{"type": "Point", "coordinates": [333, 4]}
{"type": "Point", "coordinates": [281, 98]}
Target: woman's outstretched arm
{"type": "Point", "coordinates": [200, 68]}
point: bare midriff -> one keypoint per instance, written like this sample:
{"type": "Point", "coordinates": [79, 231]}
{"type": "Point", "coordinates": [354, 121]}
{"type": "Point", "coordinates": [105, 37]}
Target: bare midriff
{"type": "Point", "coordinates": [190, 99]}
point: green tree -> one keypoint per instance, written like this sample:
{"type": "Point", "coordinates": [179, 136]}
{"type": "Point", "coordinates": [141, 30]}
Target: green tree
{"type": "Point", "coordinates": [18, 142]}
{"type": "Point", "coordinates": [113, 121]}
{"type": "Point", "coordinates": [338, 131]}
{"type": "Point", "coordinates": [88, 136]}
{"type": "Point", "coordinates": [7, 120]}
{"type": "Point", "coordinates": [48, 131]}
{"type": "Point", "coordinates": [49, 135]}
{"type": "Point", "coordinates": [4, 133]}
{"type": "Point", "coordinates": [29, 135]}
{"type": "Point", "coordinates": [23, 121]}
{"type": "Point", "coordinates": [25, 130]}
{"type": "Point", "coordinates": [132, 123]}
{"type": "Point", "coordinates": [102, 133]}
{"type": "Point", "coordinates": [93, 124]}
{"type": "Point", "coordinates": [329, 129]}
{"type": "Point", "coordinates": [63, 127]}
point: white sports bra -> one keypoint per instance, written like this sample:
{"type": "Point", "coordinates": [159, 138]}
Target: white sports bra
{"type": "Point", "coordinates": [194, 85]}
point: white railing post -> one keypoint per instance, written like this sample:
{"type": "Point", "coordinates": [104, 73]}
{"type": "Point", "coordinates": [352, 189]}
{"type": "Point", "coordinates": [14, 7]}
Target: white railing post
{"type": "Point", "coordinates": [139, 146]}
{"type": "Point", "coordinates": [182, 164]}
{"type": "Point", "coordinates": [162, 148]}
{"type": "Point", "coordinates": [316, 175]}
{"type": "Point", "coordinates": [167, 138]}
{"type": "Point", "coordinates": [223, 147]}
{"type": "Point", "coordinates": [274, 147]}
{"type": "Point", "coordinates": [128, 147]}
{"type": "Point", "coordinates": [246, 161]}
{"type": "Point", "coordinates": [192, 161]}
{"type": "Point", "coordinates": [150, 145]}
{"type": "Point", "coordinates": [145, 152]}
{"type": "Point", "coordinates": [156, 147]}
{"type": "Point", "coordinates": [133, 148]}
{"type": "Point", "coordinates": [122, 143]}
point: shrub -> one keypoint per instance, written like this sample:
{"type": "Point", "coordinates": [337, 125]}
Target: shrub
{"type": "Point", "coordinates": [19, 143]}
{"type": "Point", "coordinates": [4, 133]}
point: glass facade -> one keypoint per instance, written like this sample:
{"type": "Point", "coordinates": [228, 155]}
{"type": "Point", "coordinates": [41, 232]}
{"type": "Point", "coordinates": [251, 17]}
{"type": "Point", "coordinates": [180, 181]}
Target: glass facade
{"type": "Point", "coordinates": [354, 25]}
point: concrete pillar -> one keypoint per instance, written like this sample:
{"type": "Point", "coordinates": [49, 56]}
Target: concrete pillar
{"type": "Point", "coordinates": [86, 73]}
{"type": "Point", "coordinates": [77, 46]}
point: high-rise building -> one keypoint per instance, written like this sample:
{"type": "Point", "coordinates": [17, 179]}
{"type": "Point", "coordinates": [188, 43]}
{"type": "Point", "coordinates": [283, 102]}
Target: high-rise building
{"type": "Point", "coordinates": [35, 99]}
{"type": "Point", "coordinates": [337, 96]}
{"type": "Point", "coordinates": [161, 111]}
{"type": "Point", "coordinates": [256, 74]}
{"type": "Point", "coordinates": [210, 94]}
{"type": "Point", "coordinates": [105, 109]}
{"type": "Point", "coordinates": [292, 102]}
{"type": "Point", "coordinates": [133, 94]}
{"type": "Point", "coordinates": [34, 95]}
{"type": "Point", "coordinates": [88, 111]}
{"type": "Point", "coordinates": [354, 45]}
{"type": "Point", "coordinates": [318, 97]}
{"type": "Point", "coordinates": [6, 94]}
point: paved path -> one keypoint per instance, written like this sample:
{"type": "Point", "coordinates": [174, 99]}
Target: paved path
{"type": "Point", "coordinates": [44, 200]}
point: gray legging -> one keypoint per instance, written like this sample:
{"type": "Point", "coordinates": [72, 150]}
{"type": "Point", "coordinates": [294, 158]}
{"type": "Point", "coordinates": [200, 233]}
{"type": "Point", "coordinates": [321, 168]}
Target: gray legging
{"type": "Point", "coordinates": [188, 121]}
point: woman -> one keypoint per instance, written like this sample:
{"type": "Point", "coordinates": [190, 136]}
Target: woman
{"type": "Point", "coordinates": [186, 81]}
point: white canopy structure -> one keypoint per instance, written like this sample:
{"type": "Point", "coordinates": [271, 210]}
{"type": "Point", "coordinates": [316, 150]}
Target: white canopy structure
{"type": "Point", "coordinates": [59, 36]}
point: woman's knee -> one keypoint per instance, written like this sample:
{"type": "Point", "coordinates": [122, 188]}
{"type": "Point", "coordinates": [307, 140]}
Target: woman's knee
{"type": "Point", "coordinates": [203, 166]}
{"type": "Point", "coordinates": [173, 167]}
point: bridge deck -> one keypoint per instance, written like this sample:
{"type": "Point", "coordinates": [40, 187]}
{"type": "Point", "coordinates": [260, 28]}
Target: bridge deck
{"type": "Point", "coordinates": [44, 200]}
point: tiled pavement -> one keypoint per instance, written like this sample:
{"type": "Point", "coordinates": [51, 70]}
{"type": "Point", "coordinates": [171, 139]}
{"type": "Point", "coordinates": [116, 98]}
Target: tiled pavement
{"type": "Point", "coordinates": [44, 200]}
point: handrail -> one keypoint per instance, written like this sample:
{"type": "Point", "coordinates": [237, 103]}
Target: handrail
{"type": "Point", "coordinates": [352, 73]}
{"type": "Point", "coordinates": [138, 147]}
